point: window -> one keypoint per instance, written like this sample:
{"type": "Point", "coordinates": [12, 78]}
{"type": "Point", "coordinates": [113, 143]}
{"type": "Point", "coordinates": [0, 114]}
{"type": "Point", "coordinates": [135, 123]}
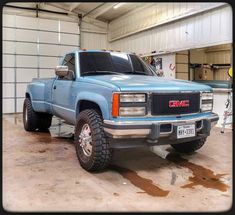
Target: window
{"type": "Point", "coordinates": [121, 62]}
{"type": "Point", "coordinates": [138, 65]}
{"type": "Point", "coordinates": [106, 63]}
{"type": "Point", "coordinates": [69, 61]}
{"type": "Point", "coordinates": [95, 61]}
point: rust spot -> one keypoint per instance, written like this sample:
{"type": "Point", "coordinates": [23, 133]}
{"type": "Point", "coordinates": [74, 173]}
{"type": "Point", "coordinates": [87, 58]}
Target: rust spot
{"type": "Point", "coordinates": [140, 182]}
{"type": "Point", "coordinates": [201, 175]}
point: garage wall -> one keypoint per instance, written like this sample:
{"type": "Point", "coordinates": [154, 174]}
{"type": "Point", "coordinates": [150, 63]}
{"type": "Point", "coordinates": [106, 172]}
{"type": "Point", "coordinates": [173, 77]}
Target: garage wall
{"type": "Point", "coordinates": [208, 28]}
{"type": "Point", "coordinates": [91, 40]}
{"type": "Point", "coordinates": [154, 14]}
{"type": "Point", "coordinates": [94, 34]}
{"type": "Point", "coordinates": [167, 65]}
{"type": "Point", "coordinates": [32, 47]}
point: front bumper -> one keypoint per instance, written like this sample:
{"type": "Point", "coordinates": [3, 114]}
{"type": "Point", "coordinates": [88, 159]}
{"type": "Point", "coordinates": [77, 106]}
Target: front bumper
{"type": "Point", "coordinates": [152, 130]}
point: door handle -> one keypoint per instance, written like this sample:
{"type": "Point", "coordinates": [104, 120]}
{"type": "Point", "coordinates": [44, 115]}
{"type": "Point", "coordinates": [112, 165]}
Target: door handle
{"type": "Point", "coordinates": [54, 87]}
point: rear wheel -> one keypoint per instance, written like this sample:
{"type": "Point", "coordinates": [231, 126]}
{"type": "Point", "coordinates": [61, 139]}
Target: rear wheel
{"type": "Point", "coordinates": [189, 147]}
{"type": "Point", "coordinates": [92, 148]}
{"type": "Point", "coordinates": [33, 120]}
{"type": "Point", "coordinates": [30, 117]}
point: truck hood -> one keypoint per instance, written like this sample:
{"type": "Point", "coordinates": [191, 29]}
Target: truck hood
{"type": "Point", "coordinates": [146, 83]}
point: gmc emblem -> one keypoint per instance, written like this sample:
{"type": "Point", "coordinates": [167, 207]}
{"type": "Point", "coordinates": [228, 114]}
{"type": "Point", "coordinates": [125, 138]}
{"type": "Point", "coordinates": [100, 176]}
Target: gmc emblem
{"type": "Point", "coordinates": [178, 103]}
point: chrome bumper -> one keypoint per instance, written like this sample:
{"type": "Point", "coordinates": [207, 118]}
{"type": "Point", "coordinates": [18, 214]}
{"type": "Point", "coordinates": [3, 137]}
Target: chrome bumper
{"type": "Point", "coordinates": [143, 129]}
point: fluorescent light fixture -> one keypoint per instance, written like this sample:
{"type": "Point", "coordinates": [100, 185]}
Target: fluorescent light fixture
{"type": "Point", "coordinates": [116, 6]}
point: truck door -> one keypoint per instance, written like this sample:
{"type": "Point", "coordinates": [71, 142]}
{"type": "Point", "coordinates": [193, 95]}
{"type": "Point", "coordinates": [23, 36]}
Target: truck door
{"type": "Point", "coordinates": [64, 93]}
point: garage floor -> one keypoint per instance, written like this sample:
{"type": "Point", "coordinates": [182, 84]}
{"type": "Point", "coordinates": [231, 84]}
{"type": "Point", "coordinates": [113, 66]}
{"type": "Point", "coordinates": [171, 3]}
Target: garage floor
{"type": "Point", "coordinates": [42, 173]}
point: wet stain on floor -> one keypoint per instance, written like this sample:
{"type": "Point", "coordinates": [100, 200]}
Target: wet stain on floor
{"type": "Point", "coordinates": [42, 150]}
{"type": "Point", "coordinates": [201, 175]}
{"type": "Point", "coordinates": [143, 183]}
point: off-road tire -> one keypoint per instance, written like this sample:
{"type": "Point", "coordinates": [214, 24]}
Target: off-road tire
{"type": "Point", "coordinates": [189, 147]}
{"type": "Point", "coordinates": [44, 121]}
{"type": "Point", "coordinates": [31, 121]}
{"type": "Point", "coordinates": [100, 153]}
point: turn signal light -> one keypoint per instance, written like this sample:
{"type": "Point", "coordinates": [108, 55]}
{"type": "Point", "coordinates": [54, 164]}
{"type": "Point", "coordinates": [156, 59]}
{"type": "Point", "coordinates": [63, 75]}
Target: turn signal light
{"type": "Point", "coordinates": [115, 105]}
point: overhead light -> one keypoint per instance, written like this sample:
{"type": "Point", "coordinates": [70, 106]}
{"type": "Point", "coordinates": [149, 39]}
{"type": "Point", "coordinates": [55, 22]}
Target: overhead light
{"type": "Point", "coordinates": [116, 6]}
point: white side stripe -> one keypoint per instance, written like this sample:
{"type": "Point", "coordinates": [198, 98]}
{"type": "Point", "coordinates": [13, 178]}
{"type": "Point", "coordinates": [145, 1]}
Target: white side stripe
{"type": "Point", "coordinates": [54, 105]}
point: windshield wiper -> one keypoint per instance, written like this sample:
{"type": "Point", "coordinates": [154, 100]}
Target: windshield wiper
{"type": "Point", "coordinates": [100, 72]}
{"type": "Point", "coordinates": [136, 72]}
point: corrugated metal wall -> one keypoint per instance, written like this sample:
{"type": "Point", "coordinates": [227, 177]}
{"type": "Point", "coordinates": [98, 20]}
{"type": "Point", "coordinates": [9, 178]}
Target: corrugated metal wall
{"type": "Point", "coordinates": [32, 47]}
{"type": "Point", "coordinates": [209, 28]}
{"type": "Point", "coordinates": [94, 34]}
{"type": "Point", "coordinates": [91, 40]}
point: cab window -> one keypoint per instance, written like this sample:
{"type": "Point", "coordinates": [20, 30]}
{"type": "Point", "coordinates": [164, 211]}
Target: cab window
{"type": "Point", "coordinates": [69, 61]}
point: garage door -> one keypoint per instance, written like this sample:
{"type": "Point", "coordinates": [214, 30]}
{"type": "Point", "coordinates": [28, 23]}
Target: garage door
{"type": "Point", "coordinates": [32, 47]}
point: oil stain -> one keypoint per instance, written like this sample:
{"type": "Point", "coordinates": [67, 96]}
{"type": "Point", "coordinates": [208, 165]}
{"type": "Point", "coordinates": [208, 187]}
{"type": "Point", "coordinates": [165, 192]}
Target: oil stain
{"type": "Point", "coordinates": [140, 182]}
{"type": "Point", "coordinates": [201, 175]}
{"type": "Point", "coordinates": [42, 150]}
{"type": "Point", "coordinates": [115, 194]}
{"type": "Point", "coordinates": [141, 192]}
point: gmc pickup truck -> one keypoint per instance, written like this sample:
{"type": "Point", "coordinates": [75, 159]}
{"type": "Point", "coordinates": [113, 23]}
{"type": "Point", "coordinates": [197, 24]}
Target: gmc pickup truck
{"type": "Point", "coordinates": [116, 100]}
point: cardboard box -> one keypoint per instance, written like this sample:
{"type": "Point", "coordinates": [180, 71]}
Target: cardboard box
{"type": "Point", "coordinates": [205, 72]}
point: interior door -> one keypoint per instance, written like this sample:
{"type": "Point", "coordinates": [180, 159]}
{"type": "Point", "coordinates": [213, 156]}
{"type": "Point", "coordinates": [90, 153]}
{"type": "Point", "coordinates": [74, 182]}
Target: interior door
{"type": "Point", "coordinates": [63, 92]}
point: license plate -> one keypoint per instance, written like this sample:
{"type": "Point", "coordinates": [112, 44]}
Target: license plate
{"type": "Point", "coordinates": [184, 131]}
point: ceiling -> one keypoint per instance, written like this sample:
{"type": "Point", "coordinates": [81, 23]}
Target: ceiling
{"type": "Point", "coordinates": [103, 11]}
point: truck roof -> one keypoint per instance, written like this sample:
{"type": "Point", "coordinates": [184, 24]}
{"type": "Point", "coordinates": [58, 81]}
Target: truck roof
{"type": "Point", "coordinates": [94, 50]}
{"type": "Point", "coordinates": [103, 50]}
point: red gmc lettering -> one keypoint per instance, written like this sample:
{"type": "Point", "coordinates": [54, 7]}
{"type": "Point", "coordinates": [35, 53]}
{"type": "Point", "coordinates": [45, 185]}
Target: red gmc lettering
{"type": "Point", "coordinates": [178, 103]}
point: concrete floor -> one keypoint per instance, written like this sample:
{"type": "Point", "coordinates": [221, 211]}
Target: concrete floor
{"type": "Point", "coordinates": [42, 173]}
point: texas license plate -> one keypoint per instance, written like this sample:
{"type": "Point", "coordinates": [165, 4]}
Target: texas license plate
{"type": "Point", "coordinates": [184, 131]}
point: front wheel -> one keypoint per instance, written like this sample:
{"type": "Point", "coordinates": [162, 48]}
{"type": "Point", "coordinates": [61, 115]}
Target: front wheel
{"type": "Point", "coordinates": [92, 148]}
{"type": "Point", "coordinates": [189, 147]}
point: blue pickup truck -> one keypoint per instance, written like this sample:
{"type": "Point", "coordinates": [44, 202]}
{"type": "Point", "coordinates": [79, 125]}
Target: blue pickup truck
{"type": "Point", "coordinates": [116, 100]}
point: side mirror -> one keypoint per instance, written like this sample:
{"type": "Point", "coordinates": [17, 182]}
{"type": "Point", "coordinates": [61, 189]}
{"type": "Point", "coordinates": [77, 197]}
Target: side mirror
{"type": "Point", "coordinates": [61, 71]}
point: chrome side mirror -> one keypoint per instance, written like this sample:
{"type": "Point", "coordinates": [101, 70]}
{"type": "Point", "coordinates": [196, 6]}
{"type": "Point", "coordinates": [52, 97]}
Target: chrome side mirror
{"type": "Point", "coordinates": [61, 71]}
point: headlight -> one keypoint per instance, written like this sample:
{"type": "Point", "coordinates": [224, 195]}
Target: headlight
{"type": "Point", "coordinates": [207, 96]}
{"type": "Point", "coordinates": [129, 104]}
{"type": "Point", "coordinates": [206, 101]}
{"type": "Point", "coordinates": [133, 97]}
{"type": "Point", "coordinates": [132, 111]}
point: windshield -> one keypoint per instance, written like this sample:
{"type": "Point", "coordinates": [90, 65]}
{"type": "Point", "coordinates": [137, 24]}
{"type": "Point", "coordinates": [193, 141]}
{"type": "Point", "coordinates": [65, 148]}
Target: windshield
{"type": "Point", "coordinates": [95, 63]}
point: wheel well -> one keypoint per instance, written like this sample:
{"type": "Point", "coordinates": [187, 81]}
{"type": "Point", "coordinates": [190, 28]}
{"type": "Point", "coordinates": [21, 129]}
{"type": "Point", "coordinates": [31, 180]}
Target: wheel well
{"type": "Point", "coordinates": [85, 104]}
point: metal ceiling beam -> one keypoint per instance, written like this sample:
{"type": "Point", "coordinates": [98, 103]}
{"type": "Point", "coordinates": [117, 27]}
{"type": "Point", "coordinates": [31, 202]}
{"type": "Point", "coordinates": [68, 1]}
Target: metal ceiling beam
{"type": "Point", "coordinates": [93, 9]}
{"type": "Point", "coordinates": [74, 6]}
{"type": "Point", "coordinates": [61, 8]}
{"type": "Point", "coordinates": [107, 8]}
{"type": "Point", "coordinates": [35, 9]}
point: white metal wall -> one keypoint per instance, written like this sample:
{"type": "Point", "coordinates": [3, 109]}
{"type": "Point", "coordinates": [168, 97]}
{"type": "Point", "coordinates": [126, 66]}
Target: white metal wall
{"type": "Point", "coordinates": [32, 48]}
{"type": "Point", "coordinates": [92, 40]}
{"type": "Point", "coordinates": [212, 27]}
{"type": "Point", "coordinates": [94, 34]}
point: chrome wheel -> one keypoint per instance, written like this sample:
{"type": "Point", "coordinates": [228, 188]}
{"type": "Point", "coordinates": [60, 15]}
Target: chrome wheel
{"type": "Point", "coordinates": [85, 140]}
